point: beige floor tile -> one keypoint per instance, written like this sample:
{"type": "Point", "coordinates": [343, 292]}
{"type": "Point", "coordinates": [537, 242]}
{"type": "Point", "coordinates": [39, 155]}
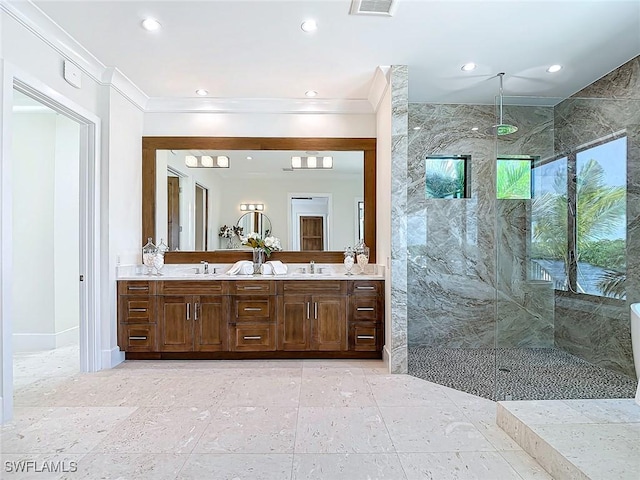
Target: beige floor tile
{"type": "Point", "coordinates": [457, 466]}
{"type": "Point", "coordinates": [526, 466]}
{"type": "Point", "coordinates": [250, 430]}
{"type": "Point", "coordinates": [428, 429]}
{"type": "Point", "coordinates": [405, 391]}
{"type": "Point", "coordinates": [341, 430]}
{"type": "Point", "coordinates": [227, 466]}
{"type": "Point", "coordinates": [138, 466]}
{"type": "Point", "coordinates": [157, 430]}
{"type": "Point", "coordinates": [263, 392]}
{"type": "Point", "coordinates": [349, 466]}
{"type": "Point", "coordinates": [336, 391]}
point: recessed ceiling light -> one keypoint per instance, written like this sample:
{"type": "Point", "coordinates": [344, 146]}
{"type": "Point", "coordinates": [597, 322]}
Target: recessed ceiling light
{"type": "Point", "coordinates": [417, 128]}
{"type": "Point", "coordinates": [202, 92]}
{"type": "Point", "coordinates": [554, 68]}
{"type": "Point", "coordinates": [151, 24]}
{"type": "Point", "coordinates": [311, 93]}
{"type": "Point", "coordinates": [309, 26]}
{"type": "Point", "coordinates": [467, 67]}
{"type": "Point", "coordinates": [474, 129]}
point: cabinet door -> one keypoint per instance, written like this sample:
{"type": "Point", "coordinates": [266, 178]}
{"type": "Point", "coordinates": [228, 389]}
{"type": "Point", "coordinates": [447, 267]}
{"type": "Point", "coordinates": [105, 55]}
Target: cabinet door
{"type": "Point", "coordinates": [210, 323]}
{"type": "Point", "coordinates": [329, 323]}
{"type": "Point", "coordinates": [176, 323]}
{"type": "Point", "coordinates": [293, 322]}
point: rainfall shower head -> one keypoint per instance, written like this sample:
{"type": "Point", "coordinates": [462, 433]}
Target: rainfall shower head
{"type": "Point", "coordinates": [502, 128]}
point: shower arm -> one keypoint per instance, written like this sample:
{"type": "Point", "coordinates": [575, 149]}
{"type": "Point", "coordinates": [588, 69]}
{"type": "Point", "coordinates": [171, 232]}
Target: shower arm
{"type": "Point", "coordinates": [500, 75]}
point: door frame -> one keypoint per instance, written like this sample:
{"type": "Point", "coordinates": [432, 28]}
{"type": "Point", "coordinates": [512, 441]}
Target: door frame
{"type": "Point", "coordinates": [91, 215]}
{"type": "Point", "coordinates": [293, 224]}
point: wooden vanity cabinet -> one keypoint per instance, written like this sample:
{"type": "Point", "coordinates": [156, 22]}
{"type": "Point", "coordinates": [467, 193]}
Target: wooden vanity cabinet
{"type": "Point", "coordinates": [252, 326]}
{"type": "Point", "coordinates": [252, 318]}
{"type": "Point", "coordinates": [366, 315]}
{"type": "Point", "coordinates": [137, 330]}
{"type": "Point", "coordinates": [312, 316]}
{"type": "Point", "coordinates": [193, 323]}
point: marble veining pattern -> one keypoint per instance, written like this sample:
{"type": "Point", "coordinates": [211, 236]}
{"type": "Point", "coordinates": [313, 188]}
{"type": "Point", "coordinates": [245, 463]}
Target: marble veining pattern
{"type": "Point", "coordinates": [399, 77]}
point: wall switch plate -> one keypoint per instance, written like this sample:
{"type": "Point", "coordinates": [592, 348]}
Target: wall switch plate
{"type": "Point", "coordinates": [72, 74]}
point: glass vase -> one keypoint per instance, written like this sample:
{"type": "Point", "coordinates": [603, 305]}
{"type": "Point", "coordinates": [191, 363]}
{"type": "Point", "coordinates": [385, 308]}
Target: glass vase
{"type": "Point", "coordinates": [258, 259]}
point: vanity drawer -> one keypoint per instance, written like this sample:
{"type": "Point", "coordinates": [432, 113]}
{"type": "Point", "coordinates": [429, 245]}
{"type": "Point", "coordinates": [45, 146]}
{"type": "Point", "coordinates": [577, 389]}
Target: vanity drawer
{"type": "Point", "coordinates": [338, 287]}
{"type": "Point", "coordinates": [195, 287]}
{"type": "Point", "coordinates": [365, 336]}
{"type": "Point", "coordinates": [136, 309]}
{"type": "Point", "coordinates": [137, 287]}
{"type": "Point", "coordinates": [138, 338]}
{"type": "Point", "coordinates": [367, 287]}
{"type": "Point", "coordinates": [366, 308]}
{"type": "Point", "coordinates": [249, 287]}
{"type": "Point", "coordinates": [253, 337]}
{"type": "Point", "coordinates": [253, 309]}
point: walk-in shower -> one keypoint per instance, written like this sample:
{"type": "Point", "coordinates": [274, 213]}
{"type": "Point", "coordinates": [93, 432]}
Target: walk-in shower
{"type": "Point", "coordinates": [521, 289]}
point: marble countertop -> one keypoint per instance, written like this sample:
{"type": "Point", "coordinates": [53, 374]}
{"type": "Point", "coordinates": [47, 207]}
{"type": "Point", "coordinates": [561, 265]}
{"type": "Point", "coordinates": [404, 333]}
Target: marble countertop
{"type": "Point", "coordinates": [294, 272]}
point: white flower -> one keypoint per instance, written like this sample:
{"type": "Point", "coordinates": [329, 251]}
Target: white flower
{"type": "Point", "coordinates": [269, 242]}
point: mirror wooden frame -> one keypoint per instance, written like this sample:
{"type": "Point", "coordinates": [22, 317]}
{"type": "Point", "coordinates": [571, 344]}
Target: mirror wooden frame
{"type": "Point", "coordinates": [151, 144]}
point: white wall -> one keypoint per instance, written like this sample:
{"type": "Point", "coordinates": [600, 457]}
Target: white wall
{"type": "Point", "coordinates": [66, 229]}
{"type": "Point", "coordinates": [46, 224]}
{"type": "Point", "coordinates": [34, 143]}
{"type": "Point", "coordinates": [259, 125]}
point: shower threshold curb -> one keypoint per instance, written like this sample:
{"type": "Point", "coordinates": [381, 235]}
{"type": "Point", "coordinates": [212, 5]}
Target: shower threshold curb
{"type": "Point", "coordinates": [549, 458]}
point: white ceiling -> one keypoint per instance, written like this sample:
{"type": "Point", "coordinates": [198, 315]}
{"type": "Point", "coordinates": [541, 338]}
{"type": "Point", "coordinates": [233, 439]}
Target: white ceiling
{"type": "Point", "coordinates": [256, 49]}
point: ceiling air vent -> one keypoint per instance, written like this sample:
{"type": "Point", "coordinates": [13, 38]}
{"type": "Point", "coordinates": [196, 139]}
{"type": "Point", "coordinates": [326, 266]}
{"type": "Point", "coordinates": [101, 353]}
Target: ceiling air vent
{"type": "Point", "coordinates": [373, 7]}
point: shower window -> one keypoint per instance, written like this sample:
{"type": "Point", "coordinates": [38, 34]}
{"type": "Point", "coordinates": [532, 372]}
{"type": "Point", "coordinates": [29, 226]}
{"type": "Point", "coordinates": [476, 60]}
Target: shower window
{"type": "Point", "coordinates": [601, 218]}
{"type": "Point", "coordinates": [446, 176]}
{"type": "Point", "coordinates": [578, 219]}
{"type": "Point", "coordinates": [513, 177]}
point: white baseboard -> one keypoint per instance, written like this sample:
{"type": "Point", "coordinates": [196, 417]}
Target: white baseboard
{"type": "Point", "coordinates": [111, 358]}
{"type": "Point", "coordinates": [33, 342]}
{"type": "Point", "coordinates": [386, 357]}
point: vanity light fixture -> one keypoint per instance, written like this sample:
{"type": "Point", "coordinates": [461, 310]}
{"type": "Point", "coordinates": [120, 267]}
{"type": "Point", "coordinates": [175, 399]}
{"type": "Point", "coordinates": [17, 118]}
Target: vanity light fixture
{"type": "Point", "coordinates": [252, 207]}
{"type": "Point", "coordinates": [311, 163]}
{"type": "Point", "coordinates": [206, 161]}
{"type": "Point", "coordinates": [151, 24]}
{"type": "Point", "coordinates": [554, 68]}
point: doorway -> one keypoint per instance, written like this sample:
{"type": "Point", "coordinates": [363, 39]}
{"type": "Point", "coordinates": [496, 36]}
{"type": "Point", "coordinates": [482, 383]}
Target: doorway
{"type": "Point", "coordinates": [202, 218]}
{"type": "Point", "coordinates": [45, 145]}
{"type": "Point", "coordinates": [84, 286]}
{"type": "Point", "coordinates": [309, 220]}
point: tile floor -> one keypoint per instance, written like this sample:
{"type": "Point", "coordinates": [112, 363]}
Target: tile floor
{"type": "Point", "coordinates": [307, 419]}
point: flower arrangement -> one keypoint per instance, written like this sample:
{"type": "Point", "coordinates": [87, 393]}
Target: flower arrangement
{"type": "Point", "coordinates": [230, 232]}
{"type": "Point", "coordinates": [268, 244]}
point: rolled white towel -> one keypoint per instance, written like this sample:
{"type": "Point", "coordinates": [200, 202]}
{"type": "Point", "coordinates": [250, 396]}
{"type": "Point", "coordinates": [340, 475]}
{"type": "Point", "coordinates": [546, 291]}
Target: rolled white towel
{"type": "Point", "coordinates": [246, 268]}
{"type": "Point", "coordinates": [243, 267]}
{"type": "Point", "coordinates": [266, 269]}
{"type": "Point", "coordinates": [278, 267]}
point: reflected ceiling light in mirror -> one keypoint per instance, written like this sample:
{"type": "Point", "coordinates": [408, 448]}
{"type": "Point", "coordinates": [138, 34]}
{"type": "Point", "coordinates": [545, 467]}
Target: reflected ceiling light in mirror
{"type": "Point", "coordinates": [202, 92]}
{"type": "Point", "coordinates": [554, 68]}
{"type": "Point", "coordinates": [206, 161]}
{"type": "Point", "coordinates": [468, 67]}
{"type": "Point", "coordinates": [309, 26]}
{"type": "Point", "coordinates": [311, 93]}
{"type": "Point", "coordinates": [252, 207]}
{"type": "Point", "coordinates": [312, 162]}
{"type": "Point", "coordinates": [151, 24]}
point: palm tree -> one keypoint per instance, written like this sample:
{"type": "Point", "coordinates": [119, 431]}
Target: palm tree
{"type": "Point", "coordinates": [599, 211]}
{"type": "Point", "coordinates": [513, 179]}
{"type": "Point", "coordinates": [445, 178]}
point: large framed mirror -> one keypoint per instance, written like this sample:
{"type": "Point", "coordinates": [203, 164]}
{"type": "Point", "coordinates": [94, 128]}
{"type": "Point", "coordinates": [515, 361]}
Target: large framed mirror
{"type": "Point", "coordinates": [314, 208]}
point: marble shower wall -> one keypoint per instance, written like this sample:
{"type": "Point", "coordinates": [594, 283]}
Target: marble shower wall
{"type": "Point", "coordinates": [599, 331]}
{"type": "Point", "coordinates": [466, 263]}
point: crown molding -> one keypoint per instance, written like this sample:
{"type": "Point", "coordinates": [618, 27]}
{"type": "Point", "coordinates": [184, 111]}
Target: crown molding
{"type": "Point", "coordinates": [49, 32]}
{"type": "Point", "coordinates": [257, 105]}
{"type": "Point", "coordinates": [379, 86]}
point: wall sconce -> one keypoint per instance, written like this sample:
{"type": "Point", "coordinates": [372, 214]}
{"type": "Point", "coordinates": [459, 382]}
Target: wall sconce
{"type": "Point", "coordinates": [206, 161]}
{"type": "Point", "coordinates": [319, 163]}
{"type": "Point", "coordinates": [251, 207]}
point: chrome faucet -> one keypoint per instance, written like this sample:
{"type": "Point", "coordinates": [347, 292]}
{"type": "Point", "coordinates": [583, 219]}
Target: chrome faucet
{"type": "Point", "coordinates": [312, 267]}
{"type": "Point", "coordinates": [206, 266]}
